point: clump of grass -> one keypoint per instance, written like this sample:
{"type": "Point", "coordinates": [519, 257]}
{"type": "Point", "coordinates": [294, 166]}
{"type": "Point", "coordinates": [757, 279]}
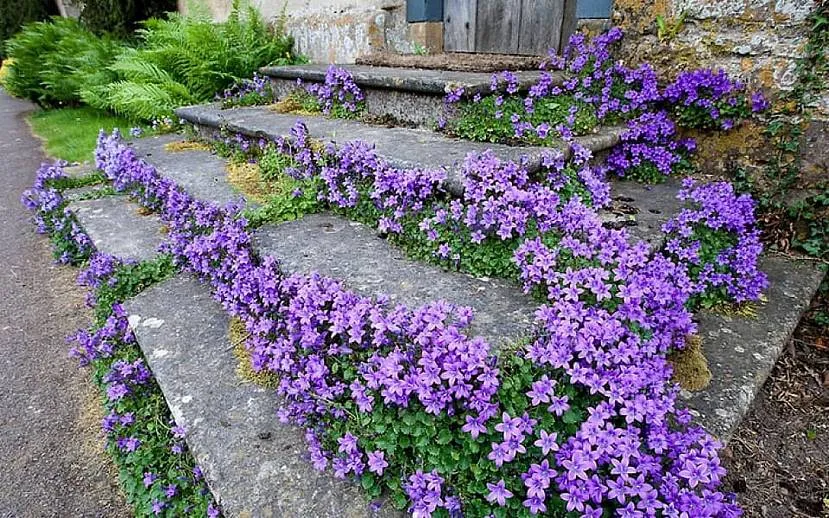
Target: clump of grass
{"type": "Point", "coordinates": [691, 366]}
{"type": "Point", "coordinates": [238, 336]}
{"type": "Point", "coordinates": [71, 134]}
{"type": "Point", "coordinates": [186, 145]}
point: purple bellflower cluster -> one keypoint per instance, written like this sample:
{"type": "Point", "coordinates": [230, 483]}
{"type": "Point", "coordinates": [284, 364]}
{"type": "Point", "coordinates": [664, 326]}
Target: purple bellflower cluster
{"type": "Point", "coordinates": [52, 217]}
{"type": "Point", "coordinates": [709, 99]}
{"type": "Point", "coordinates": [247, 92]}
{"type": "Point", "coordinates": [338, 91]}
{"type": "Point", "coordinates": [716, 238]}
{"type": "Point", "coordinates": [613, 310]}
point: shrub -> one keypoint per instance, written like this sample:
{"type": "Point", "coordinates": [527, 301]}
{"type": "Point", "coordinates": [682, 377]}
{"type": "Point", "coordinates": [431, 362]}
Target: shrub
{"type": "Point", "coordinates": [186, 60]}
{"type": "Point", "coordinates": [53, 60]}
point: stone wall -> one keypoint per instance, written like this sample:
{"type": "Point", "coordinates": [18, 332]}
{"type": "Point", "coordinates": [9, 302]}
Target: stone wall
{"type": "Point", "coordinates": [334, 31]}
{"type": "Point", "coordinates": [757, 40]}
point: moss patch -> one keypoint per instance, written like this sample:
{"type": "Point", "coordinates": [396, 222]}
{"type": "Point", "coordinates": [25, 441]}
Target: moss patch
{"type": "Point", "coordinates": [245, 177]}
{"type": "Point", "coordinates": [238, 336]}
{"type": "Point", "coordinates": [186, 145]}
{"type": "Point", "coordinates": [291, 105]}
{"type": "Point", "coordinates": [742, 310]}
{"type": "Point", "coordinates": [690, 365]}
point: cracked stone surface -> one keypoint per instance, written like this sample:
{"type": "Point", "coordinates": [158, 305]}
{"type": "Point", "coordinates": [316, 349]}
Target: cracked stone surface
{"type": "Point", "coordinates": [641, 208]}
{"type": "Point", "coordinates": [200, 173]}
{"type": "Point", "coordinates": [366, 263]}
{"type": "Point", "coordinates": [255, 466]}
{"type": "Point", "coordinates": [401, 147]}
{"type": "Point", "coordinates": [116, 227]}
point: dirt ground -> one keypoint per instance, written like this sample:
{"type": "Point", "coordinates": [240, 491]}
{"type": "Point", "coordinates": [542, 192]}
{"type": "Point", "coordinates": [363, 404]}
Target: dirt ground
{"type": "Point", "coordinates": [778, 460]}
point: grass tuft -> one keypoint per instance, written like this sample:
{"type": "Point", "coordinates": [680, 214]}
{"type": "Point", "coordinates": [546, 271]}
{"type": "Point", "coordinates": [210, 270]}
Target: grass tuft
{"type": "Point", "coordinates": [71, 133]}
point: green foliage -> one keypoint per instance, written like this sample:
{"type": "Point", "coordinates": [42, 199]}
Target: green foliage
{"type": "Point", "coordinates": [14, 14]}
{"type": "Point", "coordinates": [287, 198]}
{"type": "Point", "coordinates": [130, 280]}
{"type": "Point", "coordinates": [54, 60]}
{"type": "Point", "coordinates": [186, 60]}
{"type": "Point", "coordinates": [413, 439]}
{"type": "Point", "coordinates": [71, 133]}
{"type": "Point", "coordinates": [121, 17]}
{"type": "Point", "coordinates": [486, 121]}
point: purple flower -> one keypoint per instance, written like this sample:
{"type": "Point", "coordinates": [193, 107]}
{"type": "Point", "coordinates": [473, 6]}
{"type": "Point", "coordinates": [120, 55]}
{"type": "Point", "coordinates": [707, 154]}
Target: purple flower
{"type": "Point", "coordinates": [377, 462]}
{"type": "Point", "coordinates": [498, 493]}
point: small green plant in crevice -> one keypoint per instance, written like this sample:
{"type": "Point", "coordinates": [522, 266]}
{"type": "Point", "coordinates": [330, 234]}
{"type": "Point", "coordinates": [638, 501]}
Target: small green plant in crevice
{"type": "Point", "coordinates": [128, 280]}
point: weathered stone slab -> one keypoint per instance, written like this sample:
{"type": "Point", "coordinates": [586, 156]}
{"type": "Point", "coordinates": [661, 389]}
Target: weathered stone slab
{"type": "Point", "coordinates": [200, 173]}
{"type": "Point", "coordinates": [424, 81]}
{"type": "Point", "coordinates": [116, 227]}
{"type": "Point", "coordinates": [402, 147]}
{"type": "Point", "coordinates": [742, 351]}
{"type": "Point", "coordinates": [368, 264]}
{"type": "Point", "coordinates": [643, 209]}
{"type": "Point", "coordinates": [255, 466]}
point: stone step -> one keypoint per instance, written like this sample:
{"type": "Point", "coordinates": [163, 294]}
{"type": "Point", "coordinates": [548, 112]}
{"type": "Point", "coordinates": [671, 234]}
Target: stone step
{"type": "Point", "coordinates": [742, 351]}
{"type": "Point", "coordinates": [117, 227]}
{"type": "Point", "coordinates": [255, 466]}
{"type": "Point", "coordinates": [368, 264]}
{"type": "Point", "coordinates": [401, 147]}
{"type": "Point", "coordinates": [201, 173]}
{"type": "Point", "coordinates": [408, 94]}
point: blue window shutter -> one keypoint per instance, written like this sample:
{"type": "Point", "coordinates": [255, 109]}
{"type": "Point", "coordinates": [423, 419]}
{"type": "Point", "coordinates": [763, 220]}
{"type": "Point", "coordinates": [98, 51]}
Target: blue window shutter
{"type": "Point", "coordinates": [594, 8]}
{"type": "Point", "coordinates": [424, 11]}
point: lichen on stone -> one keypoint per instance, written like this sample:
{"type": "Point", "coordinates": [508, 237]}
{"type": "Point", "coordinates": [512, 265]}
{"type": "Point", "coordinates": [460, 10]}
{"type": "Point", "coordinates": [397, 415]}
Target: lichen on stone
{"type": "Point", "coordinates": [691, 370]}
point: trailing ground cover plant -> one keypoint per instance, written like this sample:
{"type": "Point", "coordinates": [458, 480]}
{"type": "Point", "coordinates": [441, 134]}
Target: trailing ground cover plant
{"type": "Point", "coordinates": [247, 92]}
{"type": "Point", "coordinates": [338, 95]}
{"type": "Point", "coordinates": [581, 420]}
{"type": "Point", "coordinates": [157, 473]}
{"type": "Point", "coordinates": [650, 150]}
{"type": "Point", "coordinates": [70, 243]}
{"type": "Point", "coordinates": [716, 238]}
{"type": "Point", "coordinates": [708, 99]}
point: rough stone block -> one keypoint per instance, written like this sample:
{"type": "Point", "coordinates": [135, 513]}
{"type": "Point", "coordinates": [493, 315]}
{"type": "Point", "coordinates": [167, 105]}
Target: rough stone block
{"type": "Point", "coordinates": [200, 173]}
{"type": "Point", "coordinates": [116, 227]}
{"type": "Point", "coordinates": [402, 147]}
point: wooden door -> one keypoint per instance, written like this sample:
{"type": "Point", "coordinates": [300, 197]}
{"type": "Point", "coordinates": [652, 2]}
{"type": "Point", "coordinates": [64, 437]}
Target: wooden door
{"type": "Point", "coordinates": [507, 26]}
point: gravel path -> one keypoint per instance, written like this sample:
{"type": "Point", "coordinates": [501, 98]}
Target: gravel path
{"type": "Point", "coordinates": [51, 457]}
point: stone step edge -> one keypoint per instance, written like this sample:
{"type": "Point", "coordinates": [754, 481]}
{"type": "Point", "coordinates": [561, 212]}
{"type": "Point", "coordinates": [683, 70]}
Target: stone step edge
{"type": "Point", "coordinates": [598, 143]}
{"type": "Point", "coordinates": [414, 80]}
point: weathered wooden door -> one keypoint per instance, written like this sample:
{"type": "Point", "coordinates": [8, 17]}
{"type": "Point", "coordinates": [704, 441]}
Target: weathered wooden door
{"type": "Point", "coordinates": [507, 26]}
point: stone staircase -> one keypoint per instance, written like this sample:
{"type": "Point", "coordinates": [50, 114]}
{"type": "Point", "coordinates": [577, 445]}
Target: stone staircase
{"type": "Point", "coordinates": [408, 95]}
{"type": "Point", "coordinates": [254, 465]}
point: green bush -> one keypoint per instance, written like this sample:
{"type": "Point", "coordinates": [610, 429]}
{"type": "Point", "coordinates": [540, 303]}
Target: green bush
{"type": "Point", "coordinates": [53, 59]}
{"type": "Point", "coordinates": [187, 59]}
